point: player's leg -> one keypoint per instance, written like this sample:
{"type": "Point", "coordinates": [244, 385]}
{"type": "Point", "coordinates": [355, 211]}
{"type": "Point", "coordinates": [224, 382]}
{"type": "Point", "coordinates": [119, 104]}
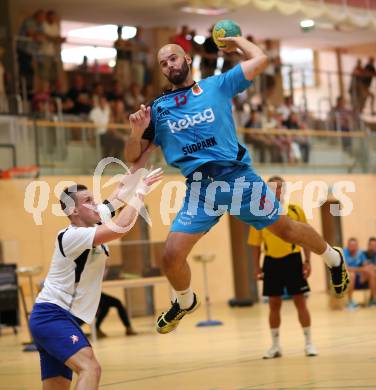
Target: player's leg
{"type": "Point", "coordinates": [86, 366]}
{"type": "Point", "coordinates": [178, 272]}
{"type": "Point", "coordinates": [304, 235]}
{"type": "Point", "coordinates": [57, 383]}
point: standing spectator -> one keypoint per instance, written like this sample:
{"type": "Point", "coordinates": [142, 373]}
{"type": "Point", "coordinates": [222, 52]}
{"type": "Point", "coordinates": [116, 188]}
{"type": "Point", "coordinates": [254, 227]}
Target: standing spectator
{"type": "Point", "coordinates": [356, 90]}
{"type": "Point", "coordinates": [269, 76]}
{"type": "Point", "coordinates": [112, 142]}
{"type": "Point", "coordinates": [342, 120]}
{"type": "Point", "coordinates": [361, 272]}
{"type": "Point", "coordinates": [30, 37]}
{"type": "Point", "coordinates": [123, 59]}
{"type": "Point", "coordinates": [370, 253]}
{"type": "Point", "coordinates": [98, 92]}
{"type": "Point", "coordinates": [283, 268]}
{"type": "Point", "coordinates": [134, 98]}
{"type": "Point", "coordinates": [184, 40]}
{"type": "Point", "coordinates": [79, 97]}
{"type": "Point", "coordinates": [52, 45]}
{"type": "Point", "coordinates": [209, 57]}
{"type": "Point", "coordinates": [139, 57]}
{"type": "Point", "coordinates": [3, 96]}
{"type": "Point", "coordinates": [369, 74]}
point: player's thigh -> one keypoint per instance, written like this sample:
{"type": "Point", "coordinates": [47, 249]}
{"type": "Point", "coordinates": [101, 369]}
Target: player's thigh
{"type": "Point", "coordinates": [83, 360]}
{"type": "Point", "coordinates": [299, 301]}
{"type": "Point", "coordinates": [57, 383]}
{"type": "Point", "coordinates": [179, 244]}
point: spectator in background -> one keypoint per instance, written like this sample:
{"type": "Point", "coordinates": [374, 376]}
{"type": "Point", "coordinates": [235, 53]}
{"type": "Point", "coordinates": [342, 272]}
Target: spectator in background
{"type": "Point", "coordinates": [30, 37]}
{"type": "Point", "coordinates": [52, 45]}
{"type": "Point", "coordinates": [112, 142]}
{"type": "Point", "coordinates": [79, 97]}
{"type": "Point", "coordinates": [370, 253]}
{"type": "Point", "coordinates": [285, 109]}
{"type": "Point", "coordinates": [356, 90]}
{"type": "Point", "coordinates": [209, 56]}
{"type": "Point", "coordinates": [341, 119]}
{"type": "Point", "coordinates": [139, 57]}
{"type": "Point", "coordinates": [123, 59]}
{"type": "Point", "coordinates": [300, 146]}
{"type": "Point", "coordinates": [134, 98]}
{"type": "Point", "coordinates": [116, 92]}
{"type": "Point", "coordinates": [84, 67]}
{"type": "Point", "coordinates": [98, 92]}
{"type": "Point", "coordinates": [361, 272]}
{"type": "Point", "coordinates": [369, 72]}
{"type": "Point", "coordinates": [183, 39]}
{"type": "Point", "coordinates": [106, 302]}
{"type": "Point", "coordinates": [3, 96]}
{"type": "Point", "coordinates": [269, 76]}
{"type": "Point", "coordinates": [42, 102]}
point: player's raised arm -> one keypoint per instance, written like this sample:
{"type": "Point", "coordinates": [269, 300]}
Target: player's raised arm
{"type": "Point", "coordinates": [255, 60]}
{"type": "Point", "coordinates": [139, 121]}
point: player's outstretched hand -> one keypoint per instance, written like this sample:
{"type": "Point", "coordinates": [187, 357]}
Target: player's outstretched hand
{"type": "Point", "coordinates": [140, 119]}
{"type": "Point", "coordinates": [149, 180]}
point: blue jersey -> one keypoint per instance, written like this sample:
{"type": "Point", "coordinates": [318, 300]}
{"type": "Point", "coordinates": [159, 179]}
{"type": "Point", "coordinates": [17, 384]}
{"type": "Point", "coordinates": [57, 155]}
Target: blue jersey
{"type": "Point", "coordinates": [354, 261]}
{"type": "Point", "coordinates": [194, 125]}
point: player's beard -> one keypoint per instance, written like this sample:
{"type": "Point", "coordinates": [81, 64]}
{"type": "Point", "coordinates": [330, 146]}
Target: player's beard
{"type": "Point", "coordinates": [178, 77]}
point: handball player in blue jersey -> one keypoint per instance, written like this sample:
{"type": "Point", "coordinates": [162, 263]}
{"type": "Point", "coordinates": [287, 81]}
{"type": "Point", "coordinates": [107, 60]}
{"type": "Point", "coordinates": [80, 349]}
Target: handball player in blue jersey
{"type": "Point", "coordinates": [193, 125]}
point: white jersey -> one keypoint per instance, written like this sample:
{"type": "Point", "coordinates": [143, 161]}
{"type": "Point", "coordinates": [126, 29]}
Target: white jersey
{"type": "Point", "coordinates": [74, 280]}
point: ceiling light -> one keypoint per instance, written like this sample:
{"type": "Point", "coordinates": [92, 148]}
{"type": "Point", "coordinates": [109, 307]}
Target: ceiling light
{"type": "Point", "coordinates": [205, 11]}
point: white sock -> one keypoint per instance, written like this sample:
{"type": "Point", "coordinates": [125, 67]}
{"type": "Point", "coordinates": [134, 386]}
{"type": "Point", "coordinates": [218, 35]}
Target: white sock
{"type": "Point", "coordinates": [307, 335]}
{"type": "Point", "coordinates": [275, 336]}
{"type": "Point", "coordinates": [331, 257]}
{"type": "Point", "coordinates": [185, 298]}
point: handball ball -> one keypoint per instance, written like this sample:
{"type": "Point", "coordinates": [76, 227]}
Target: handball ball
{"type": "Point", "coordinates": [225, 28]}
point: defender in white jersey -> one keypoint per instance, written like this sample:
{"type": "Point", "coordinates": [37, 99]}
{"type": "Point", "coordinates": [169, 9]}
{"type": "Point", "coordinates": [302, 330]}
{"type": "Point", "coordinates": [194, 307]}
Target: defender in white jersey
{"type": "Point", "coordinates": [73, 285]}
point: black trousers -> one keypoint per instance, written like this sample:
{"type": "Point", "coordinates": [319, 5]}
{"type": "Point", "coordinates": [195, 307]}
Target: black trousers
{"type": "Point", "coordinates": [106, 302]}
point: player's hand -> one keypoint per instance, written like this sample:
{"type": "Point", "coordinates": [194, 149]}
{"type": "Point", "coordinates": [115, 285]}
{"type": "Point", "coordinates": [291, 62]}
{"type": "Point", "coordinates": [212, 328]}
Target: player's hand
{"type": "Point", "coordinates": [306, 270]}
{"type": "Point", "coordinates": [140, 119]}
{"type": "Point", "coordinates": [231, 44]}
{"type": "Point", "coordinates": [259, 275]}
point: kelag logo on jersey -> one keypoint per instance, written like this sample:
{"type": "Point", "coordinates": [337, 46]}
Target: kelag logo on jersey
{"type": "Point", "coordinates": [189, 121]}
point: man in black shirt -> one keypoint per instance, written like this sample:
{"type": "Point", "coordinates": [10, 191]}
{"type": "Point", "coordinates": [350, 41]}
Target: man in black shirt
{"type": "Point", "coordinates": [369, 73]}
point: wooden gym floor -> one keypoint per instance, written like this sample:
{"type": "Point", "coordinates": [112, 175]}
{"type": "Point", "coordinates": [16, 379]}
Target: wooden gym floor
{"type": "Point", "coordinates": [222, 358]}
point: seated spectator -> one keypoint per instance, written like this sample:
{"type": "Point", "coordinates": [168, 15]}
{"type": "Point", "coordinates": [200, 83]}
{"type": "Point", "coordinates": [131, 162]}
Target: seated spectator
{"type": "Point", "coordinates": [300, 146]}
{"type": "Point", "coordinates": [286, 109]}
{"type": "Point", "coordinates": [105, 303]}
{"type": "Point", "coordinates": [79, 95]}
{"type": "Point", "coordinates": [370, 253]}
{"type": "Point", "coordinates": [183, 39]}
{"type": "Point", "coordinates": [116, 92]}
{"type": "Point", "coordinates": [134, 98]}
{"type": "Point", "coordinates": [361, 272]}
{"type": "Point", "coordinates": [98, 92]}
{"type": "Point", "coordinates": [42, 101]}
{"type": "Point", "coordinates": [112, 141]}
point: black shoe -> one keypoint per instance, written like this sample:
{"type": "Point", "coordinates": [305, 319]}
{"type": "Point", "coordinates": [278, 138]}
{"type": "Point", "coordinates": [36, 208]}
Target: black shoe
{"type": "Point", "coordinates": [339, 276]}
{"type": "Point", "coordinates": [169, 321]}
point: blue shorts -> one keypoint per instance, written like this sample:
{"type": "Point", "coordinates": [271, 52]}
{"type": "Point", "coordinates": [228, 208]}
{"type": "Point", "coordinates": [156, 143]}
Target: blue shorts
{"type": "Point", "coordinates": [236, 189]}
{"type": "Point", "coordinates": [57, 336]}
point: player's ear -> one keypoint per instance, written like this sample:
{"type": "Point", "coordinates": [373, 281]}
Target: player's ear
{"type": "Point", "coordinates": [188, 59]}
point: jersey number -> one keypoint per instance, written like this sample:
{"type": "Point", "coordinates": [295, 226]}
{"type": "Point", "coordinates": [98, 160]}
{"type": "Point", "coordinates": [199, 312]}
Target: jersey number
{"type": "Point", "coordinates": [180, 100]}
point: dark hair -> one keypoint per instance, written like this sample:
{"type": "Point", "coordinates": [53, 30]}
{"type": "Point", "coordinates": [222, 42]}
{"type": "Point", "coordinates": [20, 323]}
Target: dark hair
{"type": "Point", "coordinates": [352, 239]}
{"type": "Point", "coordinates": [68, 195]}
{"type": "Point", "coordinates": [371, 239]}
{"type": "Point", "coordinates": [275, 178]}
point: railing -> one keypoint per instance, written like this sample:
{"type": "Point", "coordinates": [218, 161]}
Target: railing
{"type": "Point", "coordinates": [74, 148]}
